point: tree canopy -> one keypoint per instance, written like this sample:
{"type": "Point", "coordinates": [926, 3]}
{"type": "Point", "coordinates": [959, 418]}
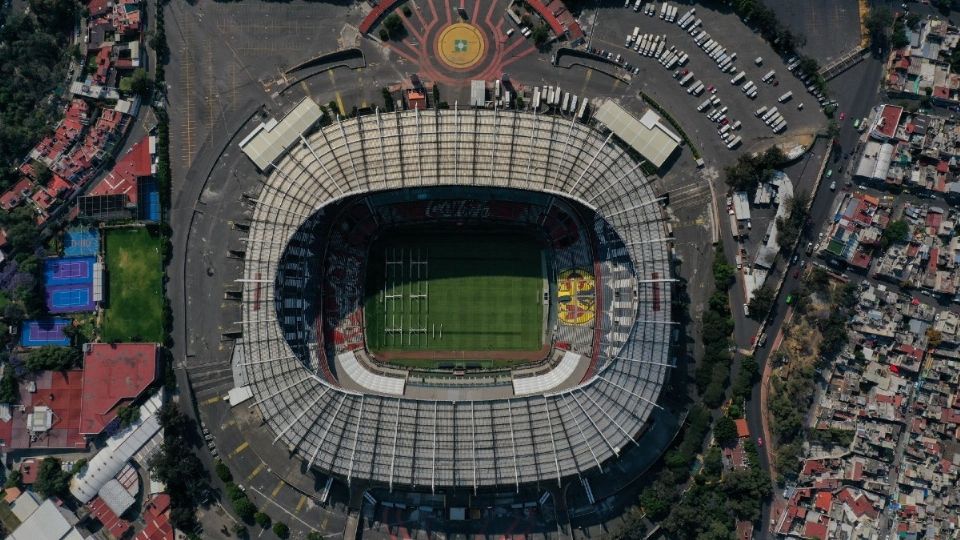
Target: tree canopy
{"type": "Point", "coordinates": [52, 480]}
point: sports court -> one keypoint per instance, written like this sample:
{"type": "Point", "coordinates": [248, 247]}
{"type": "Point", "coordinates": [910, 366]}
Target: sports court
{"type": "Point", "coordinates": [436, 296]}
{"type": "Point", "coordinates": [40, 333]}
{"type": "Point", "coordinates": [81, 242]}
{"type": "Point", "coordinates": [69, 284]}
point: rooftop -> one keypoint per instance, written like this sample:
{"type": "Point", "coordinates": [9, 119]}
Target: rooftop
{"type": "Point", "coordinates": [113, 374]}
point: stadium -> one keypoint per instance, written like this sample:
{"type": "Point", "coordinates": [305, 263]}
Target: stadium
{"type": "Point", "coordinates": [453, 299]}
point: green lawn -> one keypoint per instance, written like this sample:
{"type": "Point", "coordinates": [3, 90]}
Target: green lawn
{"type": "Point", "coordinates": [135, 276]}
{"type": "Point", "coordinates": [484, 290]}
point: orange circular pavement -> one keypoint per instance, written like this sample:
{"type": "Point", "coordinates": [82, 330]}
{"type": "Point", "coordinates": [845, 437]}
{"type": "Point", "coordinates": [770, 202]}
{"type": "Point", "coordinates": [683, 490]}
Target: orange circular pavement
{"type": "Point", "coordinates": [460, 45]}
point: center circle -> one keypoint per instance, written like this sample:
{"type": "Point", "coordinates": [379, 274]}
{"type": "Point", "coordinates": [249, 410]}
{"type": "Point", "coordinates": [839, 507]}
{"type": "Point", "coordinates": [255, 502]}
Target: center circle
{"type": "Point", "coordinates": [460, 45]}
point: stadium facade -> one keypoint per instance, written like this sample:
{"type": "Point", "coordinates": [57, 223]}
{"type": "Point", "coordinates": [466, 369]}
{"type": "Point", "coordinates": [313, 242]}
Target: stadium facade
{"type": "Point", "coordinates": [345, 415]}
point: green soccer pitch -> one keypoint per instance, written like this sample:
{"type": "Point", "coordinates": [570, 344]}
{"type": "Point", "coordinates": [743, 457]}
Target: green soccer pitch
{"type": "Point", "coordinates": [433, 296]}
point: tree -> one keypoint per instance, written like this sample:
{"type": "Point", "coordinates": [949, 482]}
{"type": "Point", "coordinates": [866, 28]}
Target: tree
{"type": "Point", "coordinates": [13, 479]}
{"type": "Point", "coordinates": [59, 15]}
{"type": "Point", "coordinates": [9, 389]}
{"type": "Point", "coordinates": [241, 531]}
{"type": "Point", "coordinates": [281, 530]}
{"type": "Point", "coordinates": [262, 519]}
{"type": "Point", "coordinates": [761, 303]}
{"type": "Point", "coordinates": [540, 35]}
{"type": "Point", "coordinates": [394, 25]}
{"type": "Point", "coordinates": [725, 431]}
{"type": "Point", "coordinates": [632, 527]}
{"type": "Point", "coordinates": [713, 462]}
{"type": "Point", "coordinates": [52, 480]}
{"type": "Point", "coordinates": [128, 415]}
{"type": "Point", "coordinates": [140, 83]}
{"type": "Point", "coordinates": [223, 472]}
{"type": "Point", "coordinates": [245, 509]}
{"type": "Point", "coordinates": [877, 23]}
{"type": "Point", "coordinates": [897, 231]}
{"type": "Point", "coordinates": [53, 358]}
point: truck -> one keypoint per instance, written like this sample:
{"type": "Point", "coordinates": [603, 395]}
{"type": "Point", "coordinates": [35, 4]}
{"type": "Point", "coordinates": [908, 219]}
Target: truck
{"type": "Point", "coordinates": [637, 4]}
{"type": "Point", "coordinates": [760, 111]}
{"type": "Point", "coordinates": [663, 10]}
{"type": "Point", "coordinates": [696, 89]}
{"type": "Point", "coordinates": [769, 76]}
{"type": "Point", "coordinates": [785, 98]}
{"type": "Point", "coordinates": [683, 59]}
{"type": "Point", "coordinates": [769, 114]}
{"type": "Point", "coordinates": [686, 79]}
{"type": "Point", "coordinates": [703, 106]}
{"type": "Point", "coordinates": [734, 143]}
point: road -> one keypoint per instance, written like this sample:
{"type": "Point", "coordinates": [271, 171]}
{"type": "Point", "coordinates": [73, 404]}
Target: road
{"type": "Point", "coordinates": [857, 91]}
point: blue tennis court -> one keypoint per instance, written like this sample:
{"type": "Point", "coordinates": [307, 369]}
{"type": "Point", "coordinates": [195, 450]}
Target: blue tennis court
{"type": "Point", "coordinates": [44, 332]}
{"type": "Point", "coordinates": [70, 298]}
{"type": "Point", "coordinates": [68, 271]}
{"type": "Point", "coordinates": [81, 242]}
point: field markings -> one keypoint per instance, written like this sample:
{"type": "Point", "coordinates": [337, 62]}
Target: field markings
{"type": "Point", "coordinates": [210, 401]}
{"type": "Point", "coordinates": [301, 504]}
{"type": "Point", "coordinates": [243, 446]}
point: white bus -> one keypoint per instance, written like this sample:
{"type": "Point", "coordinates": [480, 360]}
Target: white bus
{"type": "Point", "coordinates": [785, 98]}
{"type": "Point", "coordinates": [769, 76]}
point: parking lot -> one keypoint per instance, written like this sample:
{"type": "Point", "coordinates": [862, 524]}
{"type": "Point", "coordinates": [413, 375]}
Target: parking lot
{"type": "Point", "coordinates": [653, 79]}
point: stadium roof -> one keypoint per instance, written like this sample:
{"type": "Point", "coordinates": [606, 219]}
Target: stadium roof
{"type": "Point", "coordinates": [113, 374]}
{"type": "Point", "coordinates": [647, 136]}
{"type": "Point", "coordinates": [271, 139]}
{"type": "Point", "coordinates": [465, 443]}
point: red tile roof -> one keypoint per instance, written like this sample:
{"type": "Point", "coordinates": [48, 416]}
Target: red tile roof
{"type": "Point", "coordinates": [889, 119]}
{"type": "Point", "coordinates": [815, 530]}
{"type": "Point", "coordinates": [157, 517]}
{"type": "Point", "coordinates": [859, 505]}
{"type": "Point", "coordinates": [122, 180]}
{"type": "Point", "coordinates": [742, 429]}
{"type": "Point", "coordinates": [113, 374]}
{"type": "Point", "coordinates": [823, 501]}
{"type": "Point", "coordinates": [58, 390]}
{"type": "Point", "coordinates": [29, 470]}
{"type": "Point", "coordinates": [112, 522]}
{"type": "Point", "coordinates": [13, 196]}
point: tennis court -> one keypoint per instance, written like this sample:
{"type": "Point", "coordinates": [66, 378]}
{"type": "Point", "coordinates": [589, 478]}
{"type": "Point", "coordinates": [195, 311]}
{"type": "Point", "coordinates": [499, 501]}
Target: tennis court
{"type": "Point", "coordinates": [81, 242]}
{"type": "Point", "coordinates": [70, 298]}
{"type": "Point", "coordinates": [69, 284]}
{"type": "Point", "coordinates": [68, 271]}
{"type": "Point", "coordinates": [41, 333]}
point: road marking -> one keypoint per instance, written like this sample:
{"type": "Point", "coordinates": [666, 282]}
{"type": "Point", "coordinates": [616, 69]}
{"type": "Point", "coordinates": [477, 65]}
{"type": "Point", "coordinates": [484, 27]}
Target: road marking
{"type": "Point", "coordinates": [333, 82]}
{"type": "Point", "coordinates": [301, 504]}
{"type": "Point", "coordinates": [586, 80]}
{"type": "Point", "coordinates": [291, 514]}
{"type": "Point", "coordinates": [243, 446]}
{"type": "Point", "coordinates": [255, 471]}
{"type": "Point", "coordinates": [277, 489]}
{"type": "Point", "coordinates": [210, 401]}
